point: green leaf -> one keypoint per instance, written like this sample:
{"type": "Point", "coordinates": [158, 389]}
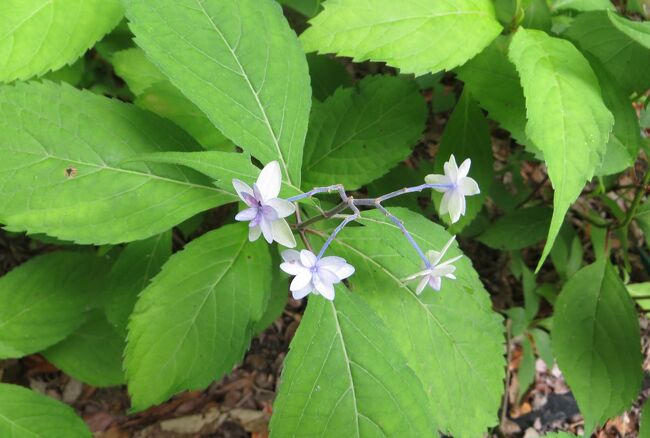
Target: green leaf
{"type": "Point", "coordinates": [240, 63]}
{"type": "Point", "coordinates": [136, 265]}
{"type": "Point", "coordinates": [26, 414]}
{"type": "Point", "coordinates": [167, 101]}
{"type": "Point", "coordinates": [526, 371]}
{"type": "Point", "coordinates": [451, 339]}
{"type": "Point", "coordinates": [45, 299]}
{"type": "Point", "coordinates": [416, 36]}
{"type": "Point", "coordinates": [222, 167]}
{"type": "Point", "coordinates": [518, 229]}
{"type": "Point", "coordinates": [195, 320]}
{"type": "Point", "coordinates": [644, 427]}
{"type": "Point", "coordinates": [327, 75]}
{"type": "Point", "coordinates": [358, 135]}
{"type": "Point", "coordinates": [57, 175]}
{"type": "Point", "coordinates": [567, 118]}
{"type": "Point", "coordinates": [133, 66]}
{"type": "Point", "coordinates": [640, 292]}
{"type": "Point", "coordinates": [537, 15]}
{"type": "Point", "coordinates": [492, 79]}
{"type": "Point", "coordinates": [597, 344]}
{"type": "Point", "coordinates": [37, 36]}
{"type": "Point", "coordinates": [531, 299]}
{"type": "Point", "coordinates": [278, 296]}
{"type": "Point", "coordinates": [582, 5]}
{"type": "Point", "coordinates": [543, 346]}
{"type": "Point", "coordinates": [467, 135]}
{"type": "Point", "coordinates": [92, 354]}
{"type": "Point", "coordinates": [625, 139]}
{"type": "Point", "coordinates": [621, 45]}
{"type": "Point", "coordinates": [345, 376]}
{"type": "Point", "coordinates": [567, 253]}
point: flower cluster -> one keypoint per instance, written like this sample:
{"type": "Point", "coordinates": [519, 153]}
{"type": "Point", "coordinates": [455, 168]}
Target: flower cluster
{"type": "Point", "coordinates": [316, 274]}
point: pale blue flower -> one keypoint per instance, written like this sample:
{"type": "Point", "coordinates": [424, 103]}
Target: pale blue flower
{"type": "Point", "coordinates": [265, 210]}
{"type": "Point", "coordinates": [455, 184]}
{"type": "Point", "coordinates": [314, 275]}
{"type": "Point", "coordinates": [434, 273]}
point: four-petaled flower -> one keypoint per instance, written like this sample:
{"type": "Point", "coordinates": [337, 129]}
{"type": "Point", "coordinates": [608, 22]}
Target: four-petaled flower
{"type": "Point", "coordinates": [266, 211]}
{"type": "Point", "coordinates": [313, 274]}
{"type": "Point", "coordinates": [434, 273]}
{"type": "Point", "coordinates": [456, 185]}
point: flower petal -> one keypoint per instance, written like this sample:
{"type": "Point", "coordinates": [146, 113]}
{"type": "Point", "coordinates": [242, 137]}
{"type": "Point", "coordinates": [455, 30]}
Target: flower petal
{"type": "Point", "coordinates": [327, 276]}
{"type": "Point", "coordinates": [292, 268]}
{"type": "Point", "coordinates": [301, 280]}
{"type": "Point", "coordinates": [269, 213]}
{"type": "Point", "coordinates": [325, 289]}
{"type": "Point", "coordinates": [302, 293]}
{"type": "Point", "coordinates": [439, 255]}
{"type": "Point", "coordinates": [291, 255]}
{"type": "Point", "coordinates": [282, 207]}
{"type": "Point", "coordinates": [254, 233]}
{"type": "Point", "coordinates": [267, 230]}
{"type": "Point", "coordinates": [344, 271]}
{"type": "Point", "coordinates": [442, 180]}
{"type": "Point", "coordinates": [435, 282]}
{"type": "Point", "coordinates": [422, 284]}
{"type": "Point", "coordinates": [307, 258]}
{"type": "Point", "coordinates": [246, 215]}
{"type": "Point", "coordinates": [463, 170]}
{"type": "Point", "coordinates": [241, 187]}
{"type": "Point", "coordinates": [331, 262]}
{"type": "Point", "coordinates": [455, 205]}
{"type": "Point", "coordinates": [444, 203]}
{"type": "Point", "coordinates": [282, 233]}
{"type": "Point", "coordinates": [468, 186]}
{"type": "Point", "coordinates": [270, 181]}
{"type": "Point", "coordinates": [451, 169]}
{"type": "Point", "coordinates": [443, 270]}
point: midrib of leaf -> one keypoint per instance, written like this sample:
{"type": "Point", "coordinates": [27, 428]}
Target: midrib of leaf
{"type": "Point", "coordinates": [121, 170]}
{"type": "Point", "coordinates": [347, 367]}
{"type": "Point", "coordinates": [244, 74]}
{"type": "Point", "coordinates": [192, 321]}
{"type": "Point", "coordinates": [341, 143]}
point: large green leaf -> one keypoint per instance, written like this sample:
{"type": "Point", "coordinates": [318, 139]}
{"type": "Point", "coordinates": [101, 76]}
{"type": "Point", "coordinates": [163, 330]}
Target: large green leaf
{"type": "Point", "coordinates": [493, 81]}
{"type": "Point", "coordinates": [346, 377]}
{"type": "Point", "coordinates": [308, 8]}
{"type": "Point", "coordinates": [62, 170]}
{"type": "Point", "coordinates": [416, 36]}
{"type": "Point", "coordinates": [358, 135]}
{"type": "Point", "coordinates": [196, 318]}
{"type": "Point", "coordinates": [621, 45]}
{"type": "Point", "coordinates": [92, 354]}
{"type": "Point", "coordinates": [240, 63]}
{"type": "Point", "coordinates": [597, 344]}
{"type": "Point", "coordinates": [327, 74]}
{"type": "Point", "coordinates": [467, 135]}
{"type": "Point", "coordinates": [136, 265]}
{"type": "Point", "coordinates": [567, 118]}
{"type": "Point", "coordinates": [451, 339]}
{"type": "Point", "coordinates": [45, 299]}
{"type": "Point", "coordinates": [26, 414]}
{"type": "Point", "coordinates": [41, 35]}
{"type": "Point", "coordinates": [518, 229]}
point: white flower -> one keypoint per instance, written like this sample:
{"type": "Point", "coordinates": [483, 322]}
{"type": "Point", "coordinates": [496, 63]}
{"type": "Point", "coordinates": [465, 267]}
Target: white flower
{"type": "Point", "coordinates": [314, 275]}
{"type": "Point", "coordinates": [266, 211]}
{"type": "Point", "coordinates": [433, 275]}
{"type": "Point", "coordinates": [457, 185]}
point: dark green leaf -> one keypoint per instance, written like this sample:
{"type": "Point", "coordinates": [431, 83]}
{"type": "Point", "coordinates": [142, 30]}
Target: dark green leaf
{"type": "Point", "coordinates": [518, 229]}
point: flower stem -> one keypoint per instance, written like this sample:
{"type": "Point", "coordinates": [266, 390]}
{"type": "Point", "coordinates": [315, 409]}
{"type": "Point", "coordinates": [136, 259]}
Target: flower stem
{"type": "Point", "coordinates": [338, 229]}
{"type": "Point", "coordinates": [408, 236]}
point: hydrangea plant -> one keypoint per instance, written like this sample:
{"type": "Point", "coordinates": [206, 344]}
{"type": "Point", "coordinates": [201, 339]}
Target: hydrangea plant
{"type": "Point", "coordinates": [180, 168]}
